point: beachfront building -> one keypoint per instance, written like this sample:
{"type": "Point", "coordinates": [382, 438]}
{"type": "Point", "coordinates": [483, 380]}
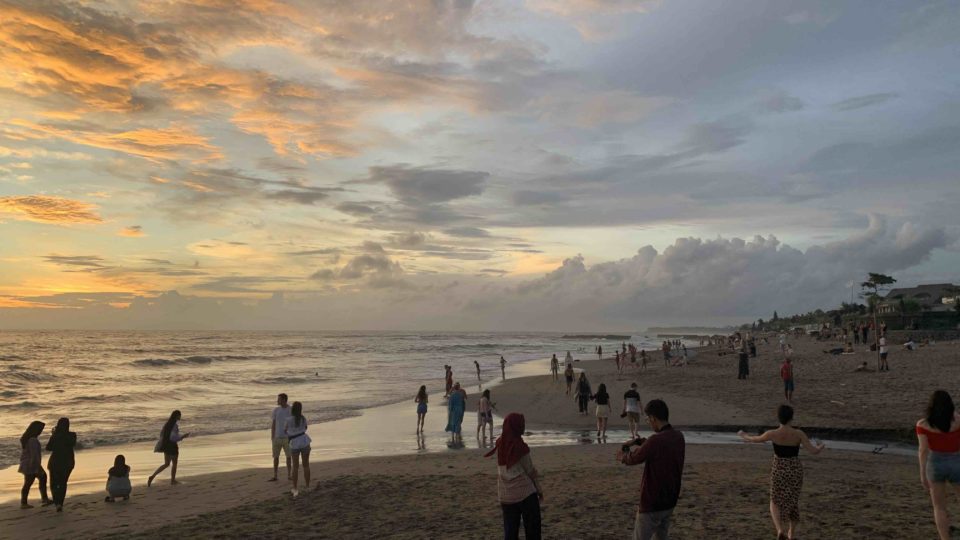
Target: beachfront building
{"type": "Point", "coordinates": [935, 297]}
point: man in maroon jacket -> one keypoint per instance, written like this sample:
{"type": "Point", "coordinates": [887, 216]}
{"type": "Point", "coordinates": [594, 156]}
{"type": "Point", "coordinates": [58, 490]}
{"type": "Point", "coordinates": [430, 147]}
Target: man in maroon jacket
{"type": "Point", "coordinates": [662, 457]}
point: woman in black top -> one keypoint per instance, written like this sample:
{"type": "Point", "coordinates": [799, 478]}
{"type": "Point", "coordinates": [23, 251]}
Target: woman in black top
{"type": "Point", "coordinates": [61, 444]}
{"type": "Point", "coordinates": [603, 409]}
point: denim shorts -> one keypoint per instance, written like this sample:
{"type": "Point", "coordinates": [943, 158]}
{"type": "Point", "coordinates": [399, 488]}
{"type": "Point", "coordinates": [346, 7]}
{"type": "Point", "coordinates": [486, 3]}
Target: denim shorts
{"type": "Point", "coordinates": [943, 467]}
{"type": "Point", "coordinates": [788, 385]}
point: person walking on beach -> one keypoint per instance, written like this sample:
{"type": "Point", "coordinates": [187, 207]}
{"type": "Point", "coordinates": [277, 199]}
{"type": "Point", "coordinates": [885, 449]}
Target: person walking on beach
{"type": "Point", "coordinates": [599, 352]}
{"type": "Point", "coordinates": [583, 394]}
{"type": "Point", "coordinates": [643, 358]}
{"type": "Point", "coordinates": [568, 375]}
{"type": "Point", "coordinates": [662, 455]}
{"type": "Point", "coordinates": [31, 464]}
{"type": "Point", "coordinates": [448, 380]}
{"type": "Point", "coordinates": [295, 428]}
{"type": "Point", "coordinates": [786, 475]}
{"type": "Point", "coordinates": [938, 434]}
{"type": "Point", "coordinates": [477, 364]}
{"type": "Point", "coordinates": [421, 401]}
{"type": "Point", "coordinates": [743, 366]}
{"type": "Point", "coordinates": [518, 484]}
{"type": "Point", "coordinates": [786, 374]}
{"type": "Point", "coordinates": [603, 409]}
{"type": "Point", "coordinates": [503, 368]}
{"type": "Point", "coordinates": [484, 416]}
{"type": "Point", "coordinates": [118, 480]}
{"type": "Point", "coordinates": [631, 409]}
{"type": "Point", "coordinates": [554, 367]}
{"type": "Point", "coordinates": [169, 446]}
{"type": "Point", "coordinates": [456, 404]}
{"type": "Point", "coordinates": [884, 366]}
{"type": "Point", "coordinates": [279, 441]}
{"type": "Point", "coordinates": [60, 465]}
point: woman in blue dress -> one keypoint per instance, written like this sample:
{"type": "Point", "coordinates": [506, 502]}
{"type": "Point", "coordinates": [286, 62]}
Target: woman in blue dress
{"type": "Point", "coordinates": [456, 404]}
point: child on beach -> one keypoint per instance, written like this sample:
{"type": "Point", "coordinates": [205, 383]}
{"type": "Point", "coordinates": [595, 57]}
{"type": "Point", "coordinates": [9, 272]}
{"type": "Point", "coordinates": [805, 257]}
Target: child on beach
{"type": "Point", "coordinates": [484, 415]}
{"type": "Point", "coordinates": [118, 480]}
{"type": "Point", "coordinates": [421, 401]}
{"type": "Point", "coordinates": [786, 373]}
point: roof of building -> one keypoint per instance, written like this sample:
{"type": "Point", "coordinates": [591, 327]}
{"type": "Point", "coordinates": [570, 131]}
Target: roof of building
{"type": "Point", "coordinates": [924, 294]}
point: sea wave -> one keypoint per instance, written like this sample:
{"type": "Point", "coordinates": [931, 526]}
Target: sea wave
{"type": "Point", "coordinates": [26, 376]}
{"type": "Point", "coordinates": [10, 357]}
{"type": "Point", "coordinates": [21, 405]}
{"type": "Point", "coordinates": [189, 360]}
{"type": "Point", "coordinates": [290, 380]}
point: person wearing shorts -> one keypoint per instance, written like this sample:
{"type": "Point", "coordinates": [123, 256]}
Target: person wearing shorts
{"type": "Point", "coordinates": [484, 415]}
{"type": "Point", "coordinates": [568, 375]}
{"type": "Point", "coordinates": [280, 442]}
{"type": "Point", "coordinates": [786, 373]}
{"type": "Point", "coordinates": [631, 409]}
{"type": "Point", "coordinates": [883, 354]}
{"type": "Point", "coordinates": [295, 428]}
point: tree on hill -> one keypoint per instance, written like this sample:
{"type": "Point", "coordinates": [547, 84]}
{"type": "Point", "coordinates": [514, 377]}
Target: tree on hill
{"type": "Point", "coordinates": [775, 317]}
{"type": "Point", "coordinates": [872, 287]}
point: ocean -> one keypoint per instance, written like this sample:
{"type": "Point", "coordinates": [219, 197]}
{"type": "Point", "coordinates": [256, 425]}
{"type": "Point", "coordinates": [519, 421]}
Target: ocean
{"type": "Point", "coordinates": [119, 387]}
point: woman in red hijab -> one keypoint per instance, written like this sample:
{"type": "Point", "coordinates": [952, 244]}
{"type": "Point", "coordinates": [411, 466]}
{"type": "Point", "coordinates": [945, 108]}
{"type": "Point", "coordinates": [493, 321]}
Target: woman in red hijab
{"type": "Point", "coordinates": [518, 489]}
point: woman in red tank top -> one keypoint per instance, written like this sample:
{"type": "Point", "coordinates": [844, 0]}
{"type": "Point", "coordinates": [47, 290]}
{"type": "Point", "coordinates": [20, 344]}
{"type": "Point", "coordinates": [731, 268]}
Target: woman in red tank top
{"type": "Point", "coordinates": [939, 436]}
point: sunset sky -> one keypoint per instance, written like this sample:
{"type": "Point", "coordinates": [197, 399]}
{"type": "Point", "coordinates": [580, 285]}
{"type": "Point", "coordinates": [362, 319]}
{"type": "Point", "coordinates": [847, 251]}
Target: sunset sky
{"type": "Point", "coordinates": [458, 164]}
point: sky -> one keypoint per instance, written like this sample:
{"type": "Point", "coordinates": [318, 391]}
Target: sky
{"type": "Point", "coordinates": [470, 164]}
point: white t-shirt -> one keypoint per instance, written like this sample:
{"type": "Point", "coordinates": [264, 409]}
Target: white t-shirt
{"type": "Point", "coordinates": [280, 415]}
{"type": "Point", "coordinates": [883, 345]}
{"type": "Point", "coordinates": [290, 429]}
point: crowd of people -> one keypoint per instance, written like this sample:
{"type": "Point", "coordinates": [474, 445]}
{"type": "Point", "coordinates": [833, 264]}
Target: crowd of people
{"type": "Point", "coordinates": [519, 489]}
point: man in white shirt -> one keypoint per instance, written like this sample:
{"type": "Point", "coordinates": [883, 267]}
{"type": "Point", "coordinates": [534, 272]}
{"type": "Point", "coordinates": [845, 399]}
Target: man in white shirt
{"type": "Point", "coordinates": [280, 441]}
{"type": "Point", "coordinates": [883, 354]}
{"type": "Point", "coordinates": [631, 408]}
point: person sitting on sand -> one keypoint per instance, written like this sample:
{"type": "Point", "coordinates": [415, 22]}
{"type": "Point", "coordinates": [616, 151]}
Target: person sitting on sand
{"type": "Point", "coordinates": [518, 485]}
{"type": "Point", "coordinates": [910, 345]}
{"type": "Point", "coordinates": [662, 455]}
{"type": "Point", "coordinates": [834, 351]}
{"type": "Point", "coordinates": [848, 349]}
{"type": "Point", "coordinates": [118, 480]}
{"type": "Point", "coordinates": [583, 393]}
{"type": "Point", "coordinates": [786, 477]}
{"type": "Point", "coordinates": [568, 375]}
{"type": "Point", "coordinates": [938, 434]}
{"type": "Point", "coordinates": [456, 404]}
{"type": "Point", "coordinates": [862, 368]}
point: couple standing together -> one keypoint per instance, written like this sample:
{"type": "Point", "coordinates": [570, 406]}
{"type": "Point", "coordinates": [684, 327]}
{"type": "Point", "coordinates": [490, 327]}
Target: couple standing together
{"type": "Point", "coordinates": [288, 433]}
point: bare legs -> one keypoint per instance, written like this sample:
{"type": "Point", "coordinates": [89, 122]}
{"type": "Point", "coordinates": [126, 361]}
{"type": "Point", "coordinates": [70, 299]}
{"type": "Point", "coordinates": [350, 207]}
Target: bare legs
{"type": "Point", "coordinates": [938, 495]}
{"type": "Point", "coordinates": [28, 483]}
{"type": "Point", "coordinates": [168, 459]}
{"type": "Point", "coordinates": [420, 418]}
{"type": "Point", "coordinates": [297, 456]}
{"type": "Point", "coordinates": [602, 426]}
{"type": "Point", "coordinates": [786, 527]}
{"type": "Point", "coordinates": [276, 466]}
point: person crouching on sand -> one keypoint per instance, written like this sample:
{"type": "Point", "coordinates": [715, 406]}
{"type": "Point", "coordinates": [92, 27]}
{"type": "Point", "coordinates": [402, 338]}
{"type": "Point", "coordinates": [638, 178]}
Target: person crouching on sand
{"type": "Point", "coordinates": [118, 480]}
{"type": "Point", "coordinates": [786, 476]}
{"type": "Point", "coordinates": [518, 486]}
{"type": "Point", "coordinates": [938, 433]}
{"type": "Point", "coordinates": [662, 455]}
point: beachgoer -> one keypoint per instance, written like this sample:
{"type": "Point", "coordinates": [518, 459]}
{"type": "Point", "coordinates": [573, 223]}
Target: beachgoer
{"type": "Point", "coordinates": [743, 366]}
{"type": "Point", "coordinates": [603, 409]}
{"type": "Point", "coordinates": [599, 352]}
{"type": "Point", "coordinates": [421, 401]}
{"type": "Point", "coordinates": [938, 433]}
{"type": "Point", "coordinates": [295, 428]}
{"type": "Point", "coordinates": [568, 359]}
{"type": "Point", "coordinates": [848, 348]}
{"type": "Point", "coordinates": [662, 455]}
{"type": "Point", "coordinates": [909, 345]}
{"type": "Point", "coordinates": [477, 364]}
{"type": "Point", "coordinates": [118, 480]}
{"type": "Point", "coordinates": [631, 409]}
{"type": "Point", "coordinates": [503, 368]}
{"type": "Point", "coordinates": [786, 375]}
{"type": "Point", "coordinates": [518, 486]}
{"type": "Point", "coordinates": [60, 465]}
{"type": "Point", "coordinates": [169, 445]}
{"type": "Point", "coordinates": [448, 376]}
{"type": "Point", "coordinates": [484, 415]}
{"type": "Point", "coordinates": [568, 375]}
{"type": "Point", "coordinates": [456, 404]}
{"type": "Point", "coordinates": [583, 393]}
{"type": "Point", "coordinates": [786, 476]}
{"type": "Point", "coordinates": [643, 358]}
{"type": "Point", "coordinates": [554, 367]}
{"type": "Point", "coordinates": [31, 465]}
{"type": "Point", "coordinates": [862, 368]}
{"type": "Point", "coordinates": [278, 440]}
{"type": "Point", "coordinates": [884, 366]}
{"type": "Point", "coordinates": [616, 359]}
{"type": "Point", "coordinates": [752, 345]}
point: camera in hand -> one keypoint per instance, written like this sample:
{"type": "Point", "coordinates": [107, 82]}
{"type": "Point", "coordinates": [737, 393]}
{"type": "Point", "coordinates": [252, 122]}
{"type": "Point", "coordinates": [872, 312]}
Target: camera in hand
{"type": "Point", "coordinates": [636, 442]}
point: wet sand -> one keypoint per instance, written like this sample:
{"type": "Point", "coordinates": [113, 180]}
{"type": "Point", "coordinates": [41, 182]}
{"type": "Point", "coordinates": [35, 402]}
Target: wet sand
{"type": "Point", "coordinates": [453, 495]}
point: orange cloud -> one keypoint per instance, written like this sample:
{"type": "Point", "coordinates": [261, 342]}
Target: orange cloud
{"type": "Point", "coordinates": [46, 209]}
{"type": "Point", "coordinates": [133, 231]}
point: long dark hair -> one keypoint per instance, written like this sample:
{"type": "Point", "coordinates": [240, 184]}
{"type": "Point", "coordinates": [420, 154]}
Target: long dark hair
{"type": "Point", "coordinates": [486, 393]}
{"type": "Point", "coordinates": [168, 427]}
{"type": "Point", "coordinates": [62, 427]}
{"type": "Point", "coordinates": [120, 467]}
{"type": "Point", "coordinates": [422, 393]}
{"type": "Point", "coordinates": [297, 412]}
{"type": "Point", "coordinates": [602, 391]}
{"type": "Point", "coordinates": [940, 411]}
{"type": "Point", "coordinates": [33, 430]}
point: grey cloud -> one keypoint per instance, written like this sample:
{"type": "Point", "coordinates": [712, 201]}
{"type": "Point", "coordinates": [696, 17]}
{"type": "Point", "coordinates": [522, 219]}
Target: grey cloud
{"type": "Point", "coordinates": [242, 284]}
{"type": "Point", "coordinates": [356, 209]}
{"type": "Point", "coordinates": [419, 185]}
{"type": "Point", "coordinates": [467, 232]}
{"type": "Point", "coordinates": [295, 196]}
{"type": "Point", "coordinates": [860, 102]}
{"type": "Point", "coordinates": [362, 265]}
{"type": "Point", "coordinates": [533, 198]}
{"type": "Point", "coordinates": [408, 240]}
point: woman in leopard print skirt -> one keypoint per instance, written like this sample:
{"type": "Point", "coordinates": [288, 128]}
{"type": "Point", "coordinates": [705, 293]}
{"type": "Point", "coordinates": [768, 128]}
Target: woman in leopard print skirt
{"type": "Point", "coordinates": [786, 475]}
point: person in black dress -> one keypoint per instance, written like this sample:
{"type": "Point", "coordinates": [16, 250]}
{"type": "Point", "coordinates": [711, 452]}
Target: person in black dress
{"type": "Point", "coordinates": [60, 465]}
